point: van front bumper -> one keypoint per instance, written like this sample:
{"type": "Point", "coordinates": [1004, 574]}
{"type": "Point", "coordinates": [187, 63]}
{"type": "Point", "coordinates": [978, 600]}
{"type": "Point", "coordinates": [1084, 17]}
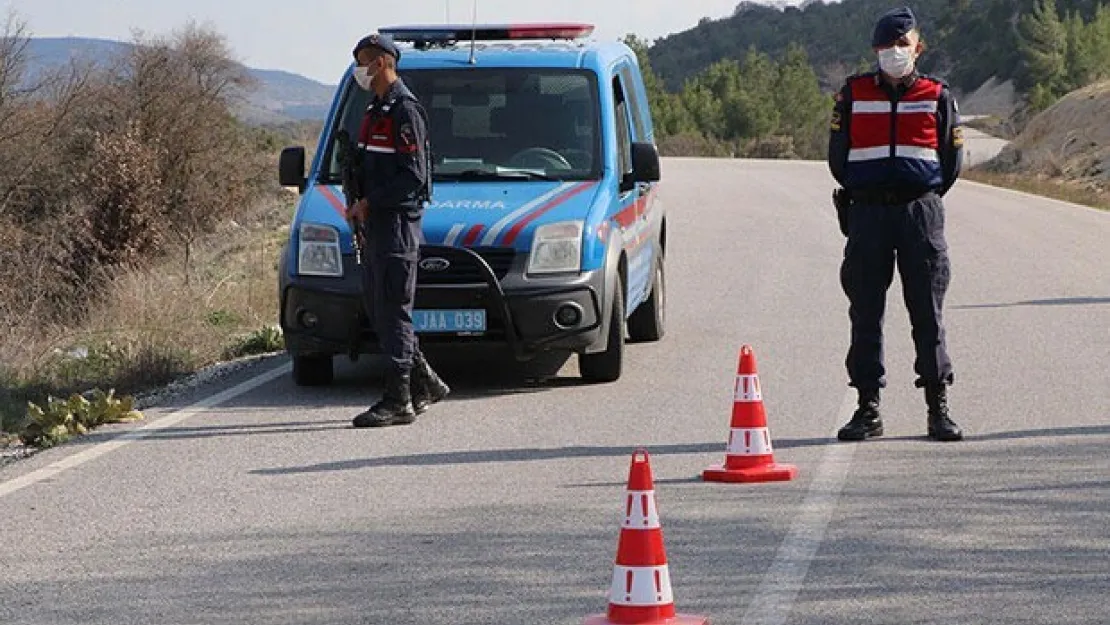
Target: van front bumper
{"type": "Point", "coordinates": [530, 316]}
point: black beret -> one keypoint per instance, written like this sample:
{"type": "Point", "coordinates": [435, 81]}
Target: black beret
{"type": "Point", "coordinates": [892, 25]}
{"type": "Point", "coordinates": [381, 42]}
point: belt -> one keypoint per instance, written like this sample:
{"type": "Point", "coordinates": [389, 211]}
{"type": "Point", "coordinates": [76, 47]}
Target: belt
{"type": "Point", "coordinates": [888, 196]}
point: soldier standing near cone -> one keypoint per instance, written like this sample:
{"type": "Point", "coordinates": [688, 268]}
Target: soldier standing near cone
{"type": "Point", "coordinates": [895, 148]}
{"type": "Point", "coordinates": [395, 179]}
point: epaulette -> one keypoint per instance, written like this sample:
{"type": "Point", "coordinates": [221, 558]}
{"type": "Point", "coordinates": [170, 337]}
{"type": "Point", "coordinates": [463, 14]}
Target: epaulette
{"type": "Point", "coordinates": [939, 81]}
{"type": "Point", "coordinates": [390, 103]}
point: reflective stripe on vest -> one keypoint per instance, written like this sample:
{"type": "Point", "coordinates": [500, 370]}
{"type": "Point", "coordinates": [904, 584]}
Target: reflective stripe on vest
{"type": "Point", "coordinates": [856, 155]}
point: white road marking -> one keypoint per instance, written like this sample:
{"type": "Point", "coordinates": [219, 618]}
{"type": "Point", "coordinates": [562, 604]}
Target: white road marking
{"type": "Point", "coordinates": [170, 420]}
{"type": "Point", "coordinates": [780, 586]}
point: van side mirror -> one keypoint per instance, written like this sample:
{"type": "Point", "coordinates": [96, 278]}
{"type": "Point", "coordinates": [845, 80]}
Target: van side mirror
{"type": "Point", "coordinates": [645, 162]}
{"type": "Point", "coordinates": [291, 168]}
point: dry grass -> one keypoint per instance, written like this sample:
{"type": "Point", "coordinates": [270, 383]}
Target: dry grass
{"type": "Point", "coordinates": [1044, 186]}
{"type": "Point", "coordinates": [157, 325]}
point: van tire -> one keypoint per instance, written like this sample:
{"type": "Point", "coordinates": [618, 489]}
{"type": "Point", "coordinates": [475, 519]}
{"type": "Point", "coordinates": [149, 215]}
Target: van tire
{"type": "Point", "coordinates": [648, 322]}
{"type": "Point", "coordinates": [606, 366]}
{"type": "Point", "coordinates": [312, 370]}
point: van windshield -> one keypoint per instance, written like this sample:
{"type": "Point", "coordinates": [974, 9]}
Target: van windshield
{"type": "Point", "coordinates": [498, 123]}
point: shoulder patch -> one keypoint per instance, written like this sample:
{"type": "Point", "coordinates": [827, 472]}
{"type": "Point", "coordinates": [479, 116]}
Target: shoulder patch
{"type": "Point", "coordinates": [407, 134]}
{"type": "Point", "coordinates": [834, 124]}
{"type": "Point", "coordinates": [406, 138]}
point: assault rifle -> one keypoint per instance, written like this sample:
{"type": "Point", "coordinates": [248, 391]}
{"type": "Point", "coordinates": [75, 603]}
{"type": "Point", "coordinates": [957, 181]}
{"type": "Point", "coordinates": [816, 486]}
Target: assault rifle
{"type": "Point", "coordinates": [350, 161]}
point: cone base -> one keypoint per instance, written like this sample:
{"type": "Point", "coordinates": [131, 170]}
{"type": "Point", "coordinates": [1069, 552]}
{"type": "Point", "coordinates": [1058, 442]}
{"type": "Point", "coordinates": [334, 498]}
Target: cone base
{"type": "Point", "coordinates": [767, 473]}
{"type": "Point", "coordinates": [679, 619]}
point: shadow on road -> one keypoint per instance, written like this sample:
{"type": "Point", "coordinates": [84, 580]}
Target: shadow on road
{"type": "Point", "coordinates": [972, 437]}
{"type": "Point", "coordinates": [1062, 301]}
{"type": "Point", "coordinates": [521, 455]}
{"type": "Point", "coordinates": [562, 453]}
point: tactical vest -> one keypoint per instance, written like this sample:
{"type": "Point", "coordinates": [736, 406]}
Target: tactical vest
{"type": "Point", "coordinates": [378, 137]}
{"type": "Point", "coordinates": [894, 144]}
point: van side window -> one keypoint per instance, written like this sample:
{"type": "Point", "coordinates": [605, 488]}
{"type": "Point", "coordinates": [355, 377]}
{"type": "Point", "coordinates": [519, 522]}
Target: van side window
{"type": "Point", "coordinates": [634, 102]}
{"type": "Point", "coordinates": [624, 139]}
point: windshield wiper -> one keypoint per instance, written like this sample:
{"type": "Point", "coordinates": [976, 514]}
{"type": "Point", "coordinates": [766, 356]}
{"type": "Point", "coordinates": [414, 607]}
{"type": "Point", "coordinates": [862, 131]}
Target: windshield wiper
{"type": "Point", "coordinates": [502, 174]}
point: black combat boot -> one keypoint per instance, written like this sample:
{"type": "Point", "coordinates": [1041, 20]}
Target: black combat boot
{"type": "Point", "coordinates": [427, 387]}
{"type": "Point", "coordinates": [395, 406]}
{"type": "Point", "coordinates": [866, 422]}
{"type": "Point", "coordinates": [941, 427]}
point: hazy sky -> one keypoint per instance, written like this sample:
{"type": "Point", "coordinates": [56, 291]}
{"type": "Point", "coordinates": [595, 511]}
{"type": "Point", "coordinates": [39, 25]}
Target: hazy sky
{"type": "Point", "coordinates": [315, 38]}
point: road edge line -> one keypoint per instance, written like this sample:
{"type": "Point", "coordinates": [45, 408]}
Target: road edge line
{"type": "Point", "coordinates": [38, 475]}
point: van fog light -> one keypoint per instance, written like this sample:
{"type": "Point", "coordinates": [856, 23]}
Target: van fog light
{"type": "Point", "coordinates": [568, 315]}
{"type": "Point", "coordinates": [308, 319]}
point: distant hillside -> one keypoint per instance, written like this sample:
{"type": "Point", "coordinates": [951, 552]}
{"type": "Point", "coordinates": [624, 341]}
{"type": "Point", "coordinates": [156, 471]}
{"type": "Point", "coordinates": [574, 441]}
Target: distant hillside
{"type": "Point", "coordinates": [969, 41]}
{"type": "Point", "coordinates": [1069, 140]}
{"type": "Point", "coordinates": [281, 96]}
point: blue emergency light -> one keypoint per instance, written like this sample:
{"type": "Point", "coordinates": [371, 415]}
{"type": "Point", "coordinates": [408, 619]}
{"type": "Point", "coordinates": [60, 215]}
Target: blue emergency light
{"type": "Point", "coordinates": [452, 33]}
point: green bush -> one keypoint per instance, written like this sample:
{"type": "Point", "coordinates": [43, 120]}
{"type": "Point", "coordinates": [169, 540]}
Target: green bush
{"type": "Point", "coordinates": [59, 420]}
{"type": "Point", "coordinates": [263, 341]}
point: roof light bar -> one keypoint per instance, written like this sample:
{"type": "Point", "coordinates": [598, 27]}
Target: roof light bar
{"type": "Point", "coordinates": [487, 32]}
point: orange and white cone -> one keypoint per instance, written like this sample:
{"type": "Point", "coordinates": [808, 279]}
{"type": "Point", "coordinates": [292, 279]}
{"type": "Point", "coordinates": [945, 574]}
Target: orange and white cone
{"type": "Point", "coordinates": [750, 457]}
{"type": "Point", "coordinates": [641, 587]}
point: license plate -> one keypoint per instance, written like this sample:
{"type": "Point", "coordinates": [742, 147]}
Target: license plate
{"type": "Point", "coordinates": [449, 321]}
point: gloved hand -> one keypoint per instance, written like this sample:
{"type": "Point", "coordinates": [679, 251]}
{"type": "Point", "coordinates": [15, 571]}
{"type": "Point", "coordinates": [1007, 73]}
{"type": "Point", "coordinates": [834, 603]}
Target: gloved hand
{"type": "Point", "coordinates": [842, 200]}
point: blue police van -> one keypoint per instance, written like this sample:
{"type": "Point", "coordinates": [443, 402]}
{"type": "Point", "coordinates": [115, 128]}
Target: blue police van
{"type": "Point", "coordinates": [544, 232]}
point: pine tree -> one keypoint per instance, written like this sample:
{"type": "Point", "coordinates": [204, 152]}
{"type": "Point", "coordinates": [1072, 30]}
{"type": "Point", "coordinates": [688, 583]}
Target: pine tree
{"type": "Point", "coordinates": [1098, 40]}
{"type": "Point", "coordinates": [1078, 58]}
{"type": "Point", "coordinates": [1043, 45]}
{"type": "Point", "coordinates": [804, 109]}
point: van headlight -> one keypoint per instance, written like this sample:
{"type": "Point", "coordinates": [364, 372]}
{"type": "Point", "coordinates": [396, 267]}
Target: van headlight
{"type": "Point", "coordinates": [556, 248]}
{"type": "Point", "coordinates": [318, 253]}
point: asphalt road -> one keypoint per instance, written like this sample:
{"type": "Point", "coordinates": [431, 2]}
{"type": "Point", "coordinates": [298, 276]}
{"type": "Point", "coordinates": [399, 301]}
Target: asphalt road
{"type": "Point", "coordinates": [503, 504]}
{"type": "Point", "coordinates": [980, 147]}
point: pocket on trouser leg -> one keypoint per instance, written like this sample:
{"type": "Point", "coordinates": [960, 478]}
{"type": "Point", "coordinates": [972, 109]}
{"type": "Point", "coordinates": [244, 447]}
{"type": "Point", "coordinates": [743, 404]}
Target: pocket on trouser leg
{"type": "Point", "coordinates": [400, 281]}
{"type": "Point", "coordinates": [400, 287]}
{"type": "Point", "coordinates": [940, 273]}
{"type": "Point", "coordinates": [936, 245]}
{"type": "Point", "coordinates": [848, 266]}
{"type": "Point", "coordinates": [846, 281]}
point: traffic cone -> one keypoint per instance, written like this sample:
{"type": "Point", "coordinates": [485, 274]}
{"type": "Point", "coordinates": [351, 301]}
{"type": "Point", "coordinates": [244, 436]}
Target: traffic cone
{"type": "Point", "coordinates": [641, 589]}
{"type": "Point", "coordinates": [750, 456]}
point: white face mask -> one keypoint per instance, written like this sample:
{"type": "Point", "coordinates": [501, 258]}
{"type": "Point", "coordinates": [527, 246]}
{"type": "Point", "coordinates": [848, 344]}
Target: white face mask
{"type": "Point", "coordinates": [364, 78]}
{"type": "Point", "coordinates": [896, 61]}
